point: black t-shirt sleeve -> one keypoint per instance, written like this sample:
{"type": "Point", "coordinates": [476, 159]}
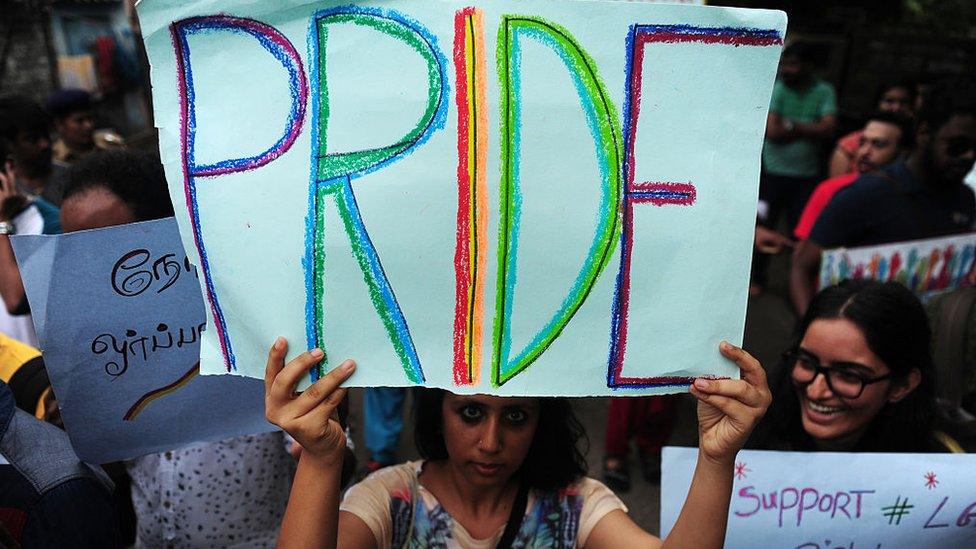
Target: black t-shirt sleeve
{"type": "Point", "coordinates": [77, 513]}
{"type": "Point", "coordinates": [842, 222]}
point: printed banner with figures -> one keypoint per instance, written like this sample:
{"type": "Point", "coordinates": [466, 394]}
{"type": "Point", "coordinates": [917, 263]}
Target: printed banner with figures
{"type": "Point", "coordinates": [927, 267]}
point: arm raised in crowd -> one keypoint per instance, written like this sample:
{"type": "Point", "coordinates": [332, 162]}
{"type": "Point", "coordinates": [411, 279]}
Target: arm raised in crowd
{"type": "Point", "coordinates": [312, 516]}
{"type": "Point", "coordinates": [841, 223]}
{"type": "Point", "coordinates": [803, 274]}
{"type": "Point", "coordinates": [728, 410]}
{"type": "Point", "coordinates": [11, 202]}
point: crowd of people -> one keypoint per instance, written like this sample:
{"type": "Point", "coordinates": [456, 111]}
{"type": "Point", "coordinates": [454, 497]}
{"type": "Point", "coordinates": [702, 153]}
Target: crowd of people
{"type": "Point", "coordinates": [494, 471]}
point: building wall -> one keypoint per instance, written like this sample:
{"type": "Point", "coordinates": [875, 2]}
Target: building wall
{"type": "Point", "coordinates": [25, 64]}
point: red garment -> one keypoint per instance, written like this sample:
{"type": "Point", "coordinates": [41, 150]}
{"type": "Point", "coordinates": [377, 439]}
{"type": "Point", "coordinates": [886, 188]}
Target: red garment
{"type": "Point", "coordinates": [818, 201]}
{"type": "Point", "coordinates": [850, 143]}
{"type": "Point", "coordinates": [647, 419]}
{"type": "Point", "coordinates": [105, 61]}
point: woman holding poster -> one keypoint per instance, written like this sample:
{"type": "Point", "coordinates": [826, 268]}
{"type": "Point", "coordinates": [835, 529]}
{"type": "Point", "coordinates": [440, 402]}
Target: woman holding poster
{"type": "Point", "coordinates": [859, 378]}
{"type": "Point", "coordinates": [498, 471]}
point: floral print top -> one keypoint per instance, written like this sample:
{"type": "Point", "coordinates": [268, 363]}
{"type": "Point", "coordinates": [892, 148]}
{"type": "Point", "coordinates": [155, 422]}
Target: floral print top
{"type": "Point", "coordinates": [402, 513]}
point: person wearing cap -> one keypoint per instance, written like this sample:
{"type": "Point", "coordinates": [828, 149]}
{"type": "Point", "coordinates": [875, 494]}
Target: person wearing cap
{"type": "Point", "coordinates": [75, 123]}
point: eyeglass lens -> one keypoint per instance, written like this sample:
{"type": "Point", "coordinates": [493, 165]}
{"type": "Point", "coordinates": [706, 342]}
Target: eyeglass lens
{"type": "Point", "coordinates": [841, 382]}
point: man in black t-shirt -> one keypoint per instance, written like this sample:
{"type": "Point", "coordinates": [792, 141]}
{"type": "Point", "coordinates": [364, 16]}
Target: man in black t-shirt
{"type": "Point", "coordinates": [923, 197]}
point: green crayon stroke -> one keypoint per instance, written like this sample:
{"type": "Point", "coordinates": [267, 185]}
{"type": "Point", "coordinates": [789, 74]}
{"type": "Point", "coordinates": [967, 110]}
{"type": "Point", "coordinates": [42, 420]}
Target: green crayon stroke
{"type": "Point", "coordinates": [605, 127]}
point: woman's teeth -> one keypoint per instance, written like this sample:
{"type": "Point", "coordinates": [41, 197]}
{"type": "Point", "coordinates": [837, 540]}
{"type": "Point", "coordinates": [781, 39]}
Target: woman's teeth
{"type": "Point", "coordinates": [821, 409]}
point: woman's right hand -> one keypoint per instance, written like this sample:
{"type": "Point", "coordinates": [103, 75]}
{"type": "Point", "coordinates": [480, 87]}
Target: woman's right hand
{"type": "Point", "coordinates": [309, 417]}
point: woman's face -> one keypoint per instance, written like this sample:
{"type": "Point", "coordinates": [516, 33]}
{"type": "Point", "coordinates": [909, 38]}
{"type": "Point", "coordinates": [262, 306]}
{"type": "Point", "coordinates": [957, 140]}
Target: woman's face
{"type": "Point", "coordinates": [488, 437]}
{"type": "Point", "coordinates": [835, 421]}
{"type": "Point", "coordinates": [897, 100]}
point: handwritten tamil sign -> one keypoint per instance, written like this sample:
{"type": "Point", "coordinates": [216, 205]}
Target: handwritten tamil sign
{"type": "Point", "coordinates": [927, 267]}
{"type": "Point", "coordinates": [517, 197]}
{"type": "Point", "coordinates": [827, 500]}
{"type": "Point", "coordinates": [119, 317]}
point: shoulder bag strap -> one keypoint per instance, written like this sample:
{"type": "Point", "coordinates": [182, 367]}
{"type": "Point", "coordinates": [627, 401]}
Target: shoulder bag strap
{"type": "Point", "coordinates": [515, 517]}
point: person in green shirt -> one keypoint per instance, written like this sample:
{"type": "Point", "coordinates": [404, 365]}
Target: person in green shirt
{"type": "Point", "coordinates": [802, 118]}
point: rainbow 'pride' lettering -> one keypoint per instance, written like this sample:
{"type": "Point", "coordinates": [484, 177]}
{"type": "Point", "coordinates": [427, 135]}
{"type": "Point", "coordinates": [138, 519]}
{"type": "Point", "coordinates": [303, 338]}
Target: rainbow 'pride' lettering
{"type": "Point", "coordinates": [458, 84]}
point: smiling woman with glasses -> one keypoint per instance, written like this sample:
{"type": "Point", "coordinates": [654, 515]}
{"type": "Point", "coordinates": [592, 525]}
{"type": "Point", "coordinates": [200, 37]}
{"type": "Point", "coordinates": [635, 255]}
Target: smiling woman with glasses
{"type": "Point", "coordinates": [859, 377]}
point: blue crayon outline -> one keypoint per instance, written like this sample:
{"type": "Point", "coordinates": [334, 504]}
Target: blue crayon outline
{"type": "Point", "coordinates": [180, 31]}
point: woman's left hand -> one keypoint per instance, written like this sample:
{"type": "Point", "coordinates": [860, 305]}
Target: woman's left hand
{"type": "Point", "coordinates": [728, 409]}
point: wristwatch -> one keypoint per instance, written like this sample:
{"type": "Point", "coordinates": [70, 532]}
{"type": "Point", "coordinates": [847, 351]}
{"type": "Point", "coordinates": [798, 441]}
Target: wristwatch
{"type": "Point", "coordinates": [7, 228]}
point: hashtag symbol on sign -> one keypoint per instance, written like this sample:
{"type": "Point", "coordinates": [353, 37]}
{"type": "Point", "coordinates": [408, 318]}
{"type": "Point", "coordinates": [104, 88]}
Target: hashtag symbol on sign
{"type": "Point", "coordinates": [896, 511]}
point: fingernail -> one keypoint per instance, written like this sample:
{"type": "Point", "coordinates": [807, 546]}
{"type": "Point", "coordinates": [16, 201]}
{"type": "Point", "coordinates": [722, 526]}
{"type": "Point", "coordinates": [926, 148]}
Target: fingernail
{"type": "Point", "coordinates": [316, 353]}
{"type": "Point", "coordinates": [278, 342]}
{"type": "Point", "coordinates": [348, 366]}
{"type": "Point", "coordinates": [701, 383]}
{"type": "Point", "coordinates": [725, 346]}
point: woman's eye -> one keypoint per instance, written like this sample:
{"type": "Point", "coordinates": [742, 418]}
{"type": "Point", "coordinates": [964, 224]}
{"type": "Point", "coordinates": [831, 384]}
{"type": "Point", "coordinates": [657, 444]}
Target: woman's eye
{"type": "Point", "coordinates": [849, 376]}
{"type": "Point", "coordinates": [470, 413]}
{"type": "Point", "coordinates": [516, 416]}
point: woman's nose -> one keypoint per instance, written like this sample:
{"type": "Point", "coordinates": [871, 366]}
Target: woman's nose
{"type": "Point", "coordinates": [490, 441]}
{"type": "Point", "coordinates": [818, 389]}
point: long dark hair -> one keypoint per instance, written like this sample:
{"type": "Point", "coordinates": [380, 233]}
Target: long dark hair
{"type": "Point", "coordinates": [897, 331]}
{"type": "Point", "coordinates": [554, 460]}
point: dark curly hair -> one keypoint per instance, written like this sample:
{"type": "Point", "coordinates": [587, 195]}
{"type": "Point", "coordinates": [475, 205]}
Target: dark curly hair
{"type": "Point", "coordinates": [136, 177]}
{"type": "Point", "coordinates": [896, 328]}
{"type": "Point", "coordinates": [22, 114]}
{"type": "Point", "coordinates": [554, 460]}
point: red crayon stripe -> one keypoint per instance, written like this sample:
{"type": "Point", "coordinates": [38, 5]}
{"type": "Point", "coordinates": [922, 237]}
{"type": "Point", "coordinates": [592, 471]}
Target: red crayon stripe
{"type": "Point", "coordinates": [730, 39]}
{"type": "Point", "coordinates": [462, 251]}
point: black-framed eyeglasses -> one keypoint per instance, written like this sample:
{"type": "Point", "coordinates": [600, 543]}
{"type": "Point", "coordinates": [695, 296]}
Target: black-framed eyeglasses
{"type": "Point", "coordinates": [843, 379]}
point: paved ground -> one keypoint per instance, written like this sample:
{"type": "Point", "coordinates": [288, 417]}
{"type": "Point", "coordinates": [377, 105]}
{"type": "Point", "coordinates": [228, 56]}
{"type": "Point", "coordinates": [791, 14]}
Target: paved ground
{"type": "Point", "coordinates": [769, 327]}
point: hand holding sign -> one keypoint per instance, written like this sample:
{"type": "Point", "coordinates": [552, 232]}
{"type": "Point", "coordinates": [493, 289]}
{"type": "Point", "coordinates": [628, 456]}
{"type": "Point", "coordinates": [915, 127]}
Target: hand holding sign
{"type": "Point", "coordinates": [728, 409]}
{"type": "Point", "coordinates": [310, 417]}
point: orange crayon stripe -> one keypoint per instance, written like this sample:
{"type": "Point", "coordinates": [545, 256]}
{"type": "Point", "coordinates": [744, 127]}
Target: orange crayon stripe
{"type": "Point", "coordinates": [472, 224]}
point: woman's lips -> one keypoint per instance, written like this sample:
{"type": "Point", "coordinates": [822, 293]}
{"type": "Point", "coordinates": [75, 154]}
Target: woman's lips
{"type": "Point", "coordinates": [487, 469]}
